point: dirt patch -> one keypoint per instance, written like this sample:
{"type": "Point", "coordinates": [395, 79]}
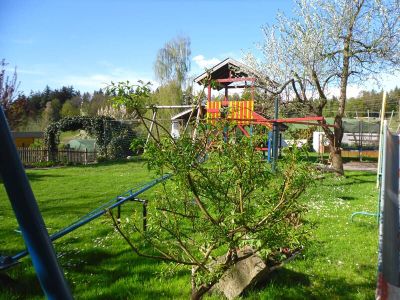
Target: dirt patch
{"type": "Point", "coordinates": [360, 166]}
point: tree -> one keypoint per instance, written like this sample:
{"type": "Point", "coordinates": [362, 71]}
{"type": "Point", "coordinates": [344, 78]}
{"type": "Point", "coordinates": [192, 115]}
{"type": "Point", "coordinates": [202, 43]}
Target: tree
{"type": "Point", "coordinates": [17, 112]}
{"type": "Point", "coordinates": [171, 68]}
{"type": "Point", "coordinates": [64, 94]}
{"type": "Point", "coordinates": [52, 112]}
{"type": "Point", "coordinates": [222, 198]}
{"type": "Point", "coordinates": [330, 44]}
{"type": "Point", "coordinates": [173, 61]}
{"type": "Point", "coordinates": [8, 86]}
{"type": "Point", "coordinates": [69, 109]}
{"type": "Point", "coordinates": [98, 100]}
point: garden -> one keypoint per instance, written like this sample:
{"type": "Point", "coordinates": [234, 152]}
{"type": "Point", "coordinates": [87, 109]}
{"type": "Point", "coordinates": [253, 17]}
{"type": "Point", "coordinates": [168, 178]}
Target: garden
{"type": "Point", "coordinates": [215, 217]}
{"type": "Point", "coordinates": [229, 184]}
{"type": "Point", "coordinates": [338, 261]}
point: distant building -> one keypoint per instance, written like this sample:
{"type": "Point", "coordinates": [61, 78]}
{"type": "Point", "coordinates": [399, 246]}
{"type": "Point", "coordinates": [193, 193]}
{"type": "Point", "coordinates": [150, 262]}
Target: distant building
{"type": "Point", "coordinates": [25, 139]}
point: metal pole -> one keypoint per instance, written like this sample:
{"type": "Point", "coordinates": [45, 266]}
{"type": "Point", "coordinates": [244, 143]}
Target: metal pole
{"type": "Point", "coordinates": [269, 146]}
{"type": "Point", "coordinates": [29, 218]}
{"type": "Point", "coordinates": [275, 136]}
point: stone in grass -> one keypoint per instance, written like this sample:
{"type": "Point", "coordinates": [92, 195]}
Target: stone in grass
{"type": "Point", "coordinates": [243, 275]}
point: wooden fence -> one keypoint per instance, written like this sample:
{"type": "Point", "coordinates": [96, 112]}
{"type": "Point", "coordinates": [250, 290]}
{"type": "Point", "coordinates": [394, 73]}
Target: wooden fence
{"type": "Point", "coordinates": [30, 156]}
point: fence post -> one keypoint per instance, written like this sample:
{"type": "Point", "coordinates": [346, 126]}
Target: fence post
{"type": "Point", "coordinates": [391, 116]}
{"type": "Point", "coordinates": [382, 117]}
{"type": "Point", "coordinates": [86, 156]}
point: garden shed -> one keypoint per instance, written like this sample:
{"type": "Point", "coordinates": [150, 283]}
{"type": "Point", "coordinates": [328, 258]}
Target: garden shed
{"type": "Point", "coordinates": [25, 139]}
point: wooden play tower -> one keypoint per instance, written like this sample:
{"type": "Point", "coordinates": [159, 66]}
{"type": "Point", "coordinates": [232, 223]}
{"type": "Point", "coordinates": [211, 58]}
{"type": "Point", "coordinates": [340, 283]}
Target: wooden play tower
{"type": "Point", "coordinates": [229, 74]}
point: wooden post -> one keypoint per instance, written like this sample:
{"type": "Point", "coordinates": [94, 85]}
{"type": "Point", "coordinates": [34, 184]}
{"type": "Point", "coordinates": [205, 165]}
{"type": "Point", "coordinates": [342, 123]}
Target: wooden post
{"type": "Point", "coordinates": [151, 126]}
{"type": "Point", "coordinates": [190, 116]}
{"type": "Point", "coordinates": [86, 156]}
{"type": "Point", "coordinates": [381, 133]}
{"type": "Point", "coordinates": [196, 124]}
{"type": "Point", "coordinates": [391, 116]}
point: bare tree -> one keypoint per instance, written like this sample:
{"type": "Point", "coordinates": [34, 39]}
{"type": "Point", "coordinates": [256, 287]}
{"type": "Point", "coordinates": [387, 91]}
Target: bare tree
{"type": "Point", "coordinates": [327, 45]}
{"type": "Point", "coordinates": [8, 86]}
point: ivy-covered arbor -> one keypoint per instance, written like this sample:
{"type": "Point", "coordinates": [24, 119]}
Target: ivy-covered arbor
{"type": "Point", "coordinates": [112, 137]}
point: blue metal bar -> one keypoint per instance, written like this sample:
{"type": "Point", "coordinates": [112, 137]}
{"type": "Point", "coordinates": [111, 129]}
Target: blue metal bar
{"type": "Point", "coordinates": [269, 146]}
{"type": "Point", "coordinates": [275, 136]}
{"type": "Point", "coordinates": [97, 213]}
{"type": "Point", "coordinates": [30, 220]}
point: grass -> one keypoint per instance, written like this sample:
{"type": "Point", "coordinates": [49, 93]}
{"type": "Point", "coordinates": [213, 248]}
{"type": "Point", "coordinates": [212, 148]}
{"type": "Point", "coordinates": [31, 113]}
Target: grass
{"type": "Point", "coordinates": [66, 136]}
{"type": "Point", "coordinates": [338, 263]}
{"type": "Point", "coordinates": [340, 260]}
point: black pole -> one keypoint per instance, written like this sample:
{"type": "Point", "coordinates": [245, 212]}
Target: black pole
{"type": "Point", "coordinates": [29, 218]}
{"type": "Point", "coordinates": [144, 215]}
{"type": "Point", "coordinates": [361, 139]}
{"type": "Point", "coordinates": [275, 136]}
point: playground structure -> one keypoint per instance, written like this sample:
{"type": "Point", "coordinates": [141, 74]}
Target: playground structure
{"type": "Point", "coordinates": [229, 75]}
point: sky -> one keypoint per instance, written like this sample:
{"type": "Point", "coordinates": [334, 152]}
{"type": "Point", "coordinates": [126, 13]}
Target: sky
{"type": "Point", "coordinates": [89, 43]}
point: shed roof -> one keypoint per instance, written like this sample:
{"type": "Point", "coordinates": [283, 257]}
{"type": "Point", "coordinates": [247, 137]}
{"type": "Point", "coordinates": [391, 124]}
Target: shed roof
{"type": "Point", "coordinates": [28, 134]}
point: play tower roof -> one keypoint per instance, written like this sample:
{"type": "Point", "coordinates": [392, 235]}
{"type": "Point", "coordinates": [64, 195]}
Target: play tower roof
{"type": "Point", "coordinates": [229, 70]}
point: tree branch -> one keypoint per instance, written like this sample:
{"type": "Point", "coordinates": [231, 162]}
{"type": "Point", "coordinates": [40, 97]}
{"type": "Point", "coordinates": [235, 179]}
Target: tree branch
{"type": "Point", "coordinates": [136, 250]}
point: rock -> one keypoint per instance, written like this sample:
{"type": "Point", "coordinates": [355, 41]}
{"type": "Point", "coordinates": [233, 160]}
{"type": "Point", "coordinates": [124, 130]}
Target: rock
{"type": "Point", "coordinates": [241, 276]}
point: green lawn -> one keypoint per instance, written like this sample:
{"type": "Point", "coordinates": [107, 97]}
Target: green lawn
{"type": "Point", "coordinates": [339, 262]}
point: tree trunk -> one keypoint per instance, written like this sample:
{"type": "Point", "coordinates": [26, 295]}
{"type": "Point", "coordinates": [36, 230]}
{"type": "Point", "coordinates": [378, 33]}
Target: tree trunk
{"type": "Point", "coordinates": [337, 162]}
{"type": "Point", "coordinates": [335, 142]}
{"type": "Point", "coordinates": [197, 294]}
{"type": "Point", "coordinates": [336, 150]}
